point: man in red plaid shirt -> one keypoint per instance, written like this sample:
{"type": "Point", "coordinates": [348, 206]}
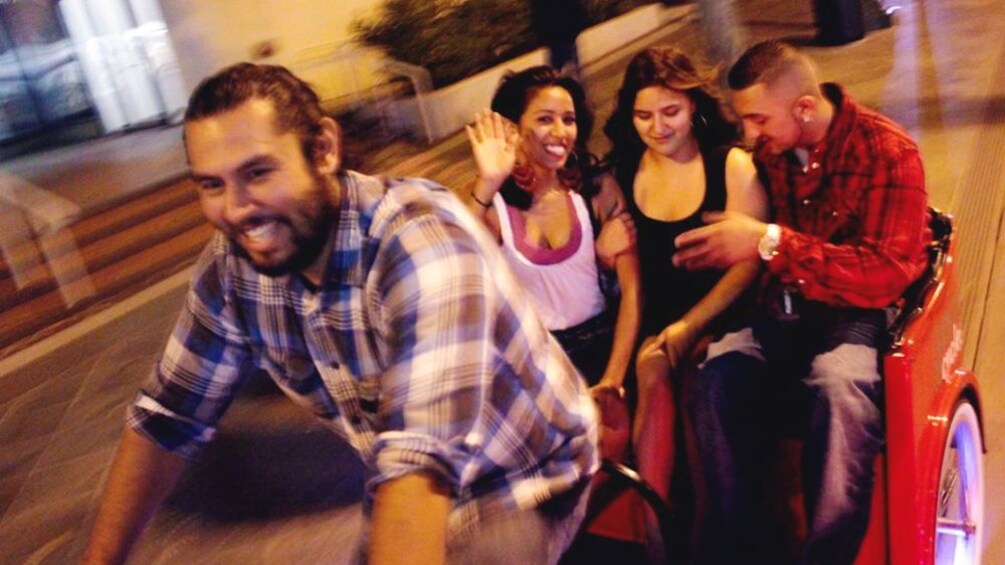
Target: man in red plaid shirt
{"type": "Point", "coordinates": [850, 210]}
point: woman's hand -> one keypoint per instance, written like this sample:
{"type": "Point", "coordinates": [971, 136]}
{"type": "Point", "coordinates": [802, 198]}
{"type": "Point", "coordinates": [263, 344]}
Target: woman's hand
{"type": "Point", "coordinates": [615, 423]}
{"type": "Point", "coordinates": [494, 143]}
{"type": "Point", "coordinates": [617, 236]}
{"type": "Point", "coordinates": [674, 342]}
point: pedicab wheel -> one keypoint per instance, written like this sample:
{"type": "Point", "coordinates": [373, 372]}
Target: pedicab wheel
{"type": "Point", "coordinates": [959, 527]}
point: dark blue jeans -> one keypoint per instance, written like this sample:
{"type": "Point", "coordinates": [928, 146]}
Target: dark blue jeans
{"type": "Point", "coordinates": [822, 372]}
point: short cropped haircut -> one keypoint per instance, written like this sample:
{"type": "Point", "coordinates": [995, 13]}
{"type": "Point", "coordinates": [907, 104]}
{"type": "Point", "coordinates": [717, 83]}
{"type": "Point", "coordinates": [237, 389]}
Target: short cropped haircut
{"type": "Point", "coordinates": [764, 63]}
{"type": "Point", "coordinates": [297, 106]}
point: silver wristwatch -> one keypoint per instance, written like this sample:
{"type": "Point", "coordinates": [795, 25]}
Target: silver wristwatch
{"type": "Point", "coordinates": [767, 247]}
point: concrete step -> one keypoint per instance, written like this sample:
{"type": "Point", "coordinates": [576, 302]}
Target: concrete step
{"type": "Point", "coordinates": [97, 254]}
{"type": "Point", "coordinates": [99, 260]}
{"type": "Point", "coordinates": [108, 222]}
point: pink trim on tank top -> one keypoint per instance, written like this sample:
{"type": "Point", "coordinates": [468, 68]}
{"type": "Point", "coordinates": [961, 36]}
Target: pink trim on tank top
{"type": "Point", "coordinates": [543, 255]}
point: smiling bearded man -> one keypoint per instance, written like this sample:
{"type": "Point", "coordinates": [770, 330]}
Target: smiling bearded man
{"type": "Point", "coordinates": [384, 308]}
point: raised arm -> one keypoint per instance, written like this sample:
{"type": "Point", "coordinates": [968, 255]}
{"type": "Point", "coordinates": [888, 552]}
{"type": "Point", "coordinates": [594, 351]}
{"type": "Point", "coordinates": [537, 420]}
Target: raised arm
{"type": "Point", "coordinates": [141, 477]}
{"type": "Point", "coordinates": [493, 143]}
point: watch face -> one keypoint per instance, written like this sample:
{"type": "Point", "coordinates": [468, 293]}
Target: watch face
{"type": "Point", "coordinates": [767, 246]}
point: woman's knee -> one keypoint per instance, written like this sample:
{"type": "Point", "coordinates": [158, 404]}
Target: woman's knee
{"type": "Point", "coordinates": [652, 373]}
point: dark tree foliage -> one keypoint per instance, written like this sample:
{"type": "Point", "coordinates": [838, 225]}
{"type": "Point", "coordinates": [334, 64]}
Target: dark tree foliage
{"type": "Point", "coordinates": [456, 39]}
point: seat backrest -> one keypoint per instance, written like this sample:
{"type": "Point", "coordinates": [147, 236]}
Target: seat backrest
{"type": "Point", "coordinates": [913, 300]}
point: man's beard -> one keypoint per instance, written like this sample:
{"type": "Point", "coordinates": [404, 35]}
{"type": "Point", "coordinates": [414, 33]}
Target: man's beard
{"type": "Point", "coordinates": [317, 218]}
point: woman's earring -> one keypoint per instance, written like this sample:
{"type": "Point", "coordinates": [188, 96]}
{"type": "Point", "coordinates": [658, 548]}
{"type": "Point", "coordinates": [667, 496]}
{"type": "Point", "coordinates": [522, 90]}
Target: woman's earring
{"type": "Point", "coordinates": [571, 176]}
{"type": "Point", "coordinates": [524, 177]}
{"type": "Point", "coordinates": [699, 121]}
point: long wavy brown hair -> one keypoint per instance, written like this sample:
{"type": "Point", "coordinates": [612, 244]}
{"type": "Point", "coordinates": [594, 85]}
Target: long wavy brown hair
{"type": "Point", "coordinates": [669, 67]}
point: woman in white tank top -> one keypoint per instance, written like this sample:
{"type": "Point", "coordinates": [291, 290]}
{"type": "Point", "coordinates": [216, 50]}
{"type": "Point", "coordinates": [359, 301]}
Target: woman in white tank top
{"type": "Point", "coordinates": [539, 194]}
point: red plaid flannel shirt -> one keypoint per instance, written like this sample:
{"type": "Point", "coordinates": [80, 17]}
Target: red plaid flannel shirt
{"type": "Point", "coordinates": [855, 218]}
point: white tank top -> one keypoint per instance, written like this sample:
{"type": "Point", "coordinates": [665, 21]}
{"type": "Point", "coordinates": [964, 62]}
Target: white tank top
{"type": "Point", "coordinates": [562, 283]}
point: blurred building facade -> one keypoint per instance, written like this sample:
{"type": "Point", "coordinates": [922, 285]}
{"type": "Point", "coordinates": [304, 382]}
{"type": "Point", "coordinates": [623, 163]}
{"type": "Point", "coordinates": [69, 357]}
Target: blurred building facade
{"type": "Point", "coordinates": [75, 69]}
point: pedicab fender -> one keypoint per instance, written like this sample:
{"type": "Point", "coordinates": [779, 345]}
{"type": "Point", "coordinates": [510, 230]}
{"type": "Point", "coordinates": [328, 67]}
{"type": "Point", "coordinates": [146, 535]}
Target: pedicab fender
{"type": "Point", "coordinates": [924, 381]}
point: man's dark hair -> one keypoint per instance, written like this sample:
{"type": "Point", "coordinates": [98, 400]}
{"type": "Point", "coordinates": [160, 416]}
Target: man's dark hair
{"type": "Point", "coordinates": [764, 62]}
{"type": "Point", "coordinates": [297, 106]}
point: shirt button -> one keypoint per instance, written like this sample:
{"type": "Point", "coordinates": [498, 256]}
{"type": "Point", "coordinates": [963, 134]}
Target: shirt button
{"type": "Point", "coordinates": [806, 201]}
{"type": "Point", "coordinates": [473, 441]}
{"type": "Point", "coordinates": [814, 165]}
{"type": "Point", "coordinates": [834, 213]}
{"type": "Point", "coordinates": [801, 281]}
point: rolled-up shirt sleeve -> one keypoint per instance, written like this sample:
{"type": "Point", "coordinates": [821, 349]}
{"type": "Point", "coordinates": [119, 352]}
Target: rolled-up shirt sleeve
{"type": "Point", "coordinates": [194, 381]}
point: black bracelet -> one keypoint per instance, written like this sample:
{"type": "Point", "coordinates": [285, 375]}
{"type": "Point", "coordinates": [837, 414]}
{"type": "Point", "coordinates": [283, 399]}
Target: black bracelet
{"type": "Point", "coordinates": [475, 198]}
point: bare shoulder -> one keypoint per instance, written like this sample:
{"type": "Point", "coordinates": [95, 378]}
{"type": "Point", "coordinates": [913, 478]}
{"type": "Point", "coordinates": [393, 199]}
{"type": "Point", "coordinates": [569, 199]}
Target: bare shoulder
{"type": "Point", "coordinates": [739, 161]}
{"type": "Point", "coordinates": [744, 192]}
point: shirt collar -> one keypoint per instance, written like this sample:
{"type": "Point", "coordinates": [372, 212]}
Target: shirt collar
{"type": "Point", "coordinates": [845, 115]}
{"type": "Point", "coordinates": [361, 195]}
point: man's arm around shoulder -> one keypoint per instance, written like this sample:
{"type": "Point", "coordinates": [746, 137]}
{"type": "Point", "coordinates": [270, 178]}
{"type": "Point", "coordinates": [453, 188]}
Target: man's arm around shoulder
{"type": "Point", "coordinates": [141, 477]}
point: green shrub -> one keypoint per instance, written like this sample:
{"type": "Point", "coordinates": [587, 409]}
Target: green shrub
{"type": "Point", "coordinates": [456, 39]}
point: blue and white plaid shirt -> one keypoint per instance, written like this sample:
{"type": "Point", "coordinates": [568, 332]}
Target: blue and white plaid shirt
{"type": "Point", "coordinates": [418, 348]}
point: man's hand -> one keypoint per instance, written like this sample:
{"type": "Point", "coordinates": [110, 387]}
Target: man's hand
{"type": "Point", "coordinates": [674, 342]}
{"type": "Point", "coordinates": [617, 236]}
{"type": "Point", "coordinates": [729, 237]}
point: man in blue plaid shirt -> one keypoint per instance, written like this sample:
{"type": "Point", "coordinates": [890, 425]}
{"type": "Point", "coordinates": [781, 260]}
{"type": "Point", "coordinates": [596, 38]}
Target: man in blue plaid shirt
{"type": "Point", "coordinates": [384, 308]}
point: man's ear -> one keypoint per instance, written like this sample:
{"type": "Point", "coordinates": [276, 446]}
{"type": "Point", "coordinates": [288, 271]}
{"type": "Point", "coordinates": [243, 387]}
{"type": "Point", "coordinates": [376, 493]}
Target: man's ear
{"type": "Point", "coordinates": [328, 147]}
{"type": "Point", "coordinates": [804, 109]}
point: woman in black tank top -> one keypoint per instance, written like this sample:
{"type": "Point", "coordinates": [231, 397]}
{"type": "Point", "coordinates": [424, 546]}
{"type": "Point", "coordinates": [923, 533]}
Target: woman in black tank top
{"type": "Point", "coordinates": [674, 158]}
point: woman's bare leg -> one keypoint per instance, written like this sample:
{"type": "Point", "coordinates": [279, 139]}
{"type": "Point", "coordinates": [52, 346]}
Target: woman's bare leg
{"type": "Point", "coordinates": [653, 435]}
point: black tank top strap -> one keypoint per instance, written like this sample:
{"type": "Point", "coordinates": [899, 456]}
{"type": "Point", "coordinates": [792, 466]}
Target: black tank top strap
{"type": "Point", "coordinates": [625, 175]}
{"type": "Point", "coordinates": [715, 177]}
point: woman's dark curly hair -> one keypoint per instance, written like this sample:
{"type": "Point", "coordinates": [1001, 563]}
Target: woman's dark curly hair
{"type": "Point", "coordinates": [511, 99]}
{"type": "Point", "coordinates": [668, 67]}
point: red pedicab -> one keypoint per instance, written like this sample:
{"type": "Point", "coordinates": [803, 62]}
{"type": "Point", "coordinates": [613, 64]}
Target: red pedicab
{"type": "Point", "coordinates": [928, 503]}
